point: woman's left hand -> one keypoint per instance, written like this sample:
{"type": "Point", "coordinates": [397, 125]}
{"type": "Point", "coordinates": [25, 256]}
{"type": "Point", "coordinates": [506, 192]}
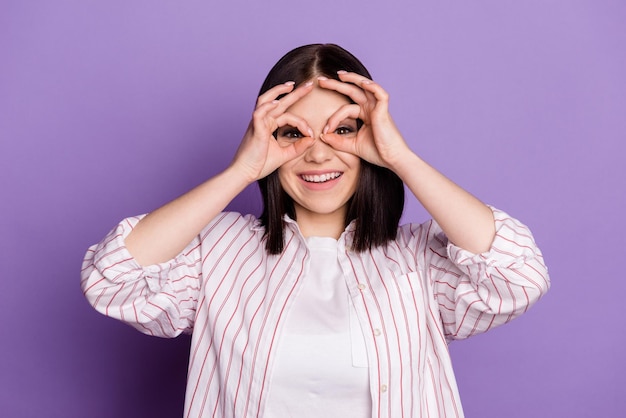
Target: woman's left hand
{"type": "Point", "coordinates": [465, 220]}
{"type": "Point", "coordinates": [378, 141]}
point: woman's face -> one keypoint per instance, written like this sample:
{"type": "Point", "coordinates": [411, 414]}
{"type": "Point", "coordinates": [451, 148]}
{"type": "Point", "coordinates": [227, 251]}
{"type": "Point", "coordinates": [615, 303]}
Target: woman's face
{"type": "Point", "coordinates": [322, 180]}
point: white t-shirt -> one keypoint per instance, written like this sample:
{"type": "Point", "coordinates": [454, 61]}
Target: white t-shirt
{"type": "Point", "coordinates": [321, 361]}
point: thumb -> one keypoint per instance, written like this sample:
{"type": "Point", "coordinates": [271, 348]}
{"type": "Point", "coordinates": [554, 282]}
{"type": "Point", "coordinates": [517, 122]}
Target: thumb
{"type": "Point", "coordinates": [297, 148]}
{"type": "Point", "coordinates": [303, 144]}
{"type": "Point", "coordinates": [340, 143]}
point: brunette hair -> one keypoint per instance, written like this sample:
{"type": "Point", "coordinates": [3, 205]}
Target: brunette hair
{"type": "Point", "coordinates": [378, 201]}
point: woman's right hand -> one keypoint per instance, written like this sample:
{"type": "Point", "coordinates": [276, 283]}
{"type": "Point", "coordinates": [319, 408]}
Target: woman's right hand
{"type": "Point", "coordinates": [165, 232]}
{"type": "Point", "coordinates": [259, 153]}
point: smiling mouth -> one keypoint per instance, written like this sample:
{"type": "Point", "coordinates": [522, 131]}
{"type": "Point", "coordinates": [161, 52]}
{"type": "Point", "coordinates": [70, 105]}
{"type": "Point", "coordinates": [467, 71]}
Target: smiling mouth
{"type": "Point", "coordinates": [320, 178]}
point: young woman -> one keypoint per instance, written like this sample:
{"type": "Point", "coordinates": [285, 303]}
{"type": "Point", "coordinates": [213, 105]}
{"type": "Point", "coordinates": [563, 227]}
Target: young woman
{"type": "Point", "coordinates": [323, 306]}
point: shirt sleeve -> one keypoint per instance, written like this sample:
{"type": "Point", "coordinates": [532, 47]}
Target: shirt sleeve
{"type": "Point", "coordinates": [158, 299]}
{"type": "Point", "coordinates": [477, 292]}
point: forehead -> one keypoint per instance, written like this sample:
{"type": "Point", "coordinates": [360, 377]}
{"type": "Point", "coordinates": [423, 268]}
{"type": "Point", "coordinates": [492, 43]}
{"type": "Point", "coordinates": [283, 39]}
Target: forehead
{"type": "Point", "coordinates": [319, 104]}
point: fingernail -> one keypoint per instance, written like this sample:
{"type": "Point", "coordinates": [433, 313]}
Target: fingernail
{"type": "Point", "coordinates": [311, 132]}
{"type": "Point", "coordinates": [308, 83]}
{"type": "Point", "coordinates": [275, 101]}
{"type": "Point", "coordinates": [342, 72]}
{"type": "Point", "coordinates": [325, 130]}
{"type": "Point", "coordinates": [290, 83]}
{"type": "Point", "coordinates": [366, 82]}
{"type": "Point", "coordinates": [322, 78]}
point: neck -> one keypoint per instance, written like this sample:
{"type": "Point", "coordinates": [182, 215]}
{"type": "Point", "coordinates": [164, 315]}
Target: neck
{"type": "Point", "coordinates": [321, 225]}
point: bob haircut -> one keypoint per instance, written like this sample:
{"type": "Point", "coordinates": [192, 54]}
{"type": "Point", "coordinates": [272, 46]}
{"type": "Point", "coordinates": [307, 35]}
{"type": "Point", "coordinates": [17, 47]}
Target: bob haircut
{"type": "Point", "coordinates": [377, 204]}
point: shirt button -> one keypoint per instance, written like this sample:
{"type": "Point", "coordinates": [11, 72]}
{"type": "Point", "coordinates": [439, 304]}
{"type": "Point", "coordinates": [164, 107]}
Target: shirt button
{"type": "Point", "coordinates": [383, 388]}
{"type": "Point", "coordinates": [377, 332]}
{"type": "Point", "coordinates": [361, 286]}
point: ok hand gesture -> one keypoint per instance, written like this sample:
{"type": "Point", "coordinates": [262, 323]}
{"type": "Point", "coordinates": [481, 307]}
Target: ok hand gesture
{"type": "Point", "coordinates": [378, 141]}
{"type": "Point", "coordinates": [259, 153]}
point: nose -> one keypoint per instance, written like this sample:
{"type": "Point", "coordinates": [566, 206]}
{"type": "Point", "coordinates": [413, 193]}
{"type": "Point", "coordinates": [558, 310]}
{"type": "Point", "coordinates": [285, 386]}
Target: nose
{"type": "Point", "coordinates": [319, 152]}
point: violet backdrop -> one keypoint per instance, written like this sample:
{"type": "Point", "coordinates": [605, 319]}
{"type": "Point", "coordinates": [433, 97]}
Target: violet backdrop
{"type": "Point", "coordinates": [109, 109]}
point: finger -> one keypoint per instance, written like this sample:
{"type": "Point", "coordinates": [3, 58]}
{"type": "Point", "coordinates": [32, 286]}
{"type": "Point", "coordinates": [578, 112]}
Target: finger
{"type": "Point", "coordinates": [260, 118]}
{"type": "Point", "coordinates": [375, 92]}
{"type": "Point", "coordinates": [348, 111]}
{"type": "Point", "coordinates": [285, 102]}
{"type": "Point", "coordinates": [295, 121]}
{"type": "Point", "coordinates": [352, 91]}
{"type": "Point", "coordinates": [274, 92]}
{"type": "Point", "coordinates": [264, 108]}
{"type": "Point", "coordinates": [377, 96]}
{"type": "Point", "coordinates": [354, 78]}
{"type": "Point", "coordinates": [368, 85]}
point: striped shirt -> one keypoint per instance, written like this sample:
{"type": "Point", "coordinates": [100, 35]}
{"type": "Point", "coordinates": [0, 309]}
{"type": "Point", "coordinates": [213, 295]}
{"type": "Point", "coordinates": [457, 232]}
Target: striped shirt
{"type": "Point", "coordinates": [411, 296]}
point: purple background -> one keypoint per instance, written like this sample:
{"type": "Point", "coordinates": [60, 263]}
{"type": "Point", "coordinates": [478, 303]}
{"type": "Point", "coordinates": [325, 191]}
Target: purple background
{"type": "Point", "coordinates": [111, 108]}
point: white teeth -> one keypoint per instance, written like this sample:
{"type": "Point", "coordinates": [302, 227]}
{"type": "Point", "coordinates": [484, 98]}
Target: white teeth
{"type": "Point", "coordinates": [321, 178]}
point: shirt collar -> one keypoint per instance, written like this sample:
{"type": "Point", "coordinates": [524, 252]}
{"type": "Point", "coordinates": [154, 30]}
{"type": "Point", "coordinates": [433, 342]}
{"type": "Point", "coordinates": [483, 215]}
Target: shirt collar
{"type": "Point", "coordinates": [292, 225]}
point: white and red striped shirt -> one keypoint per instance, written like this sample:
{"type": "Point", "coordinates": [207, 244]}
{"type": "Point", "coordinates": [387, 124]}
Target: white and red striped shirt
{"type": "Point", "coordinates": [413, 295]}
